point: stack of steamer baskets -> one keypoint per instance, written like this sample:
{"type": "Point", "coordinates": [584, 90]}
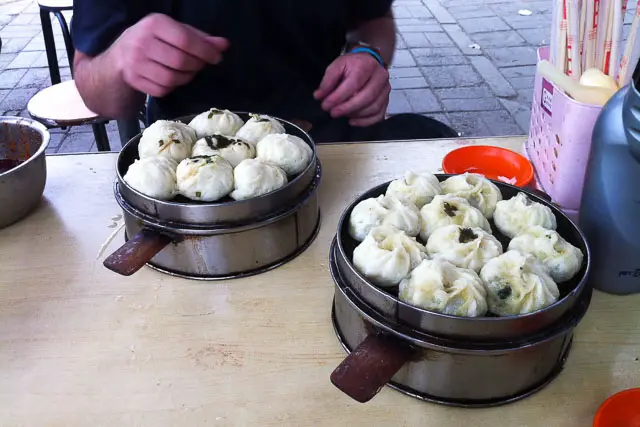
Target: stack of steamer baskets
{"type": "Point", "coordinates": [220, 240]}
{"type": "Point", "coordinates": [459, 361]}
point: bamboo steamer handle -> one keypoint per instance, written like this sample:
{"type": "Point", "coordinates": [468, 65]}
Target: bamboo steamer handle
{"type": "Point", "coordinates": [371, 366]}
{"type": "Point", "coordinates": [137, 252]}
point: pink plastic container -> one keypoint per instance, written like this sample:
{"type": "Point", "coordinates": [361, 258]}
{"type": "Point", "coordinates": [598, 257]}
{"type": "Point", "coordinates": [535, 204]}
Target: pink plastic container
{"type": "Point", "coordinates": [559, 142]}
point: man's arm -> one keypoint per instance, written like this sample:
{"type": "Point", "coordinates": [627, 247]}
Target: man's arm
{"type": "Point", "coordinates": [93, 75]}
{"type": "Point", "coordinates": [153, 57]}
{"type": "Point", "coordinates": [379, 33]}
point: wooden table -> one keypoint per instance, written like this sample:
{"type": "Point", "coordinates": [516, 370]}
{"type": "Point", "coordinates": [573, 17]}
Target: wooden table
{"type": "Point", "coordinates": [81, 346]}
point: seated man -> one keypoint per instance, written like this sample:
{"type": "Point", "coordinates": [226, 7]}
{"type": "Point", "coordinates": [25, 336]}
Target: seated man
{"type": "Point", "coordinates": [323, 64]}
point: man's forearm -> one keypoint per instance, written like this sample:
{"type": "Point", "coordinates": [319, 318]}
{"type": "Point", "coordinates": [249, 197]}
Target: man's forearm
{"type": "Point", "coordinates": [380, 33]}
{"type": "Point", "coordinates": [103, 89]}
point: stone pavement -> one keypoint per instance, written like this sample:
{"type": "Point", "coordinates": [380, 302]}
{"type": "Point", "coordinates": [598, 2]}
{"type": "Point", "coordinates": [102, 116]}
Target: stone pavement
{"type": "Point", "coordinates": [468, 63]}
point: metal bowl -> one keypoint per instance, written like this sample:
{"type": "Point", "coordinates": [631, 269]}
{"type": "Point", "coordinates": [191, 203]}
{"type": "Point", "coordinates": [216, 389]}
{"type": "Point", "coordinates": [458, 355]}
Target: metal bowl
{"type": "Point", "coordinates": [226, 211]}
{"type": "Point", "coordinates": [480, 328]}
{"type": "Point", "coordinates": [23, 168]}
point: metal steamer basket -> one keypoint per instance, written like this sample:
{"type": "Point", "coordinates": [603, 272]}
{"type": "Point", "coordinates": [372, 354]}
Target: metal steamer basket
{"type": "Point", "coordinates": [447, 359]}
{"type": "Point", "coordinates": [222, 240]}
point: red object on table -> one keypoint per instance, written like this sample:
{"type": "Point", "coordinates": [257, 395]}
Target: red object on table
{"type": "Point", "coordinates": [492, 162]}
{"type": "Point", "coordinates": [620, 410]}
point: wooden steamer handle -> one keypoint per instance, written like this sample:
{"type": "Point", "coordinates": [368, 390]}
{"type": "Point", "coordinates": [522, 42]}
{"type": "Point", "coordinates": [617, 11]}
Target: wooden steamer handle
{"type": "Point", "coordinates": [371, 366]}
{"type": "Point", "coordinates": [137, 252]}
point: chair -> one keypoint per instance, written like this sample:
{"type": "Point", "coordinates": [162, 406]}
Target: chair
{"type": "Point", "coordinates": [61, 105]}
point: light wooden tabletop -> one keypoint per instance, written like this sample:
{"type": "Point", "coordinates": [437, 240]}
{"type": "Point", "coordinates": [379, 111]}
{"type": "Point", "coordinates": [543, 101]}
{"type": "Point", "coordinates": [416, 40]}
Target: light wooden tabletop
{"type": "Point", "coordinates": [81, 346]}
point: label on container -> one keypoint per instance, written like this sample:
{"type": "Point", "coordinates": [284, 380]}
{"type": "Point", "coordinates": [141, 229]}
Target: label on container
{"type": "Point", "coordinates": [547, 97]}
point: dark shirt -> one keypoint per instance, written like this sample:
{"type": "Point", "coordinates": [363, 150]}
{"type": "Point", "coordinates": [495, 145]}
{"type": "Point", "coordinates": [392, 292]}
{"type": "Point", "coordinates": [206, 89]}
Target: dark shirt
{"type": "Point", "coordinates": [279, 49]}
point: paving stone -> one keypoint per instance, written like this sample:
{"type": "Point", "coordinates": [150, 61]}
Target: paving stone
{"type": "Point", "coordinates": [398, 103]}
{"type": "Point", "coordinates": [439, 40]}
{"type": "Point", "coordinates": [400, 44]}
{"type": "Point", "coordinates": [422, 28]}
{"type": "Point", "coordinates": [518, 22]}
{"type": "Point", "coordinates": [536, 36]}
{"type": "Point", "coordinates": [520, 83]}
{"type": "Point", "coordinates": [461, 39]}
{"type": "Point", "coordinates": [56, 140]}
{"type": "Point", "coordinates": [401, 12]}
{"type": "Point", "coordinates": [37, 43]}
{"type": "Point", "coordinates": [441, 117]}
{"type": "Point", "coordinates": [441, 14]}
{"type": "Point", "coordinates": [523, 71]}
{"type": "Point", "coordinates": [478, 104]}
{"type": "Point", "coordinates": [481, 91]}
{"type": "Point", "coordinates": [416, 40]}
{"type": "Point", "coordinates": [19, 31]}
{"type": "Point", "coordinates": [466, 12]}
{"type": "Point", "coordinates": [485, 25]}
{"type": "Point", "coordinates": [403, 58]}
{"type": "Point", "coordinates": [5, 59]}
{"type": "Point", "coordinates": [10, 78]}
{"type": "Point", "coordinates": [451, 76]}
{"type": "Point", "coordinates": [397, 73]}
{"type": "Point", "coordinates": [77, 143]}
{"type": "Point", "coordinates": [25, 19]}
{"type": "Point", "coordinates": [500, 123]}
{"type": "Point", "coordinates": [468, 124]}
{"type": "Point", "coordinates": [422, 101]}
{"type": "Point", "coordinates": [409, 83]}
{"type": "Point", "coordinates": [404, 22]}
{"type": "Point", "coordinates": [3, 94]}
{"type": "Point", "coordinates": [14, 45]}
{"type": "Point", "coordinates": [526, 95]}
{"type": "Point", "coordinates": [438, 56]}
{"type": "Point", "coordinates": [35, 78]}
{"type": "Point", "coordinates": [419, 12]}
{"type": "Point", "coordinates": [17, 99]}
{"type": "Point", "coordinates": [24, 60]}
{"type": "Point", "coordinates": [520, 112]}
{"type": "Point", "coordinates": [510, 56]}
{"type": "Point", "coordinates": [492, 76]}
{"type": "Point", "coordinates": [498, 39]}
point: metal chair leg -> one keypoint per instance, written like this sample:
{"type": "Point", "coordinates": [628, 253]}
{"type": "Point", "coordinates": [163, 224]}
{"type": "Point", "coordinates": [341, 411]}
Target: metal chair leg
{"type": "Point", "coordinates": [102, 140]}
{"type": "Point", "coordinates": [66, 34]}
{"type": "Point", "coordinates": [50, 46]}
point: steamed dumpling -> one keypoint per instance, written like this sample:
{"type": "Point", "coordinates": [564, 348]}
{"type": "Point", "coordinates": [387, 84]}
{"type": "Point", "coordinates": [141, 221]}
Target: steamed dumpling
{"type": "Point", "coordinates": [383, 210]}
{"type": "Point", "coordinates": [387, 256]}
{"type": "Point", "coordinates": [478, 190]}
{"type": "Point", "coordinates": [154, 177]}
{"type": "Point", "coordinates": [561, 259]}
{"type": "Point", "coordinates": [464, 247]}
{"type": "Point", "coordinates": [233, 149]}
{"type": "Point", "coordinates": [288, 152]}
{"type": "Point", "coordinates": [205, 179]}
{"type": "Point", "coordinates": [416, 188]}
{"type": "Point", "coordinates": [519, 213]}
{"type": "Point", "coordinates": [518, 284]}
{"type": "Point", "coordinates": [439, 286]}
{"type": "Point", "coordinates": [450, 210]}
{"type": "Point", "coordinates": [253, 178]}
{"type": "Point", "coordinates": [259, 126]}
{"type": "Point", "coordinates": [166, 138]}
{"type": "Point", "coordinates": [215, 121]}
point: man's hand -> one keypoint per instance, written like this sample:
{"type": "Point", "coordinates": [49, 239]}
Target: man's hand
{"type": "Point", "coordinates": [355, 86]}
{"type": "Point", "coordinates": [159, 54]}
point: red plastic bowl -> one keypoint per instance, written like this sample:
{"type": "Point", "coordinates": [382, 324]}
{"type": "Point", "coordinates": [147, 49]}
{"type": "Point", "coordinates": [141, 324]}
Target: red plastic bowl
{"type": "Point", "coordinates": [492, 162]}
{"type": "Point", "coordinates": [620, 410]}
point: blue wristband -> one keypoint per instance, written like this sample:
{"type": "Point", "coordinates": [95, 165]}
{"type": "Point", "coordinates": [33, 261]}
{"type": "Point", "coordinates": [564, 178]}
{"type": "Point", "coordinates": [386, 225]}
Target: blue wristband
{"type": "Point", "coordinates": [362, 49]}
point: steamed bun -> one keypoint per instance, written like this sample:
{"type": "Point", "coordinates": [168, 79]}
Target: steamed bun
{"type": "Point", "coordinates": [416, 188]}
{"type": "Point", "coordinates": [383, 210]}
{"type": "Point", "coordinates": [233, 149]}
{"type": "Point", "coordinates": [259, 126]}
{"type": "Point", "coordinates": [437, 285]}
{"type": "Point", "coordinates": [205, 179]}
{"type": "Point", "coordinates": [387, 255]}
{"type": "Point", "coordinates": [559, 257]}
{"type": "Point", "coordinates": [478, 190]}
{"type": "Point", "coordinates": [464, 247]}
{"type": "Point", "coordinates": [288, 152]}
{"type": "Point", "coordinates": [450, 210]}
{"type": "Point", "coordinates": [154, 177]}
{"type": "Point", "coordinates": [166, 138]}
{"type": "Point", "coordinates": [518, 284]}
{"type": "Point", "coordinates": [215, 121]}
{"type": "Point", "coordinates": [519, 213]}
{"type": "Point", "coordinates": [254, 178]}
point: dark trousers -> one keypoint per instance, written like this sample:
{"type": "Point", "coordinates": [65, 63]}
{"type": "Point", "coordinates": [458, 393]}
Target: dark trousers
{"type": "Point", "coordinates": [395, 128]}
